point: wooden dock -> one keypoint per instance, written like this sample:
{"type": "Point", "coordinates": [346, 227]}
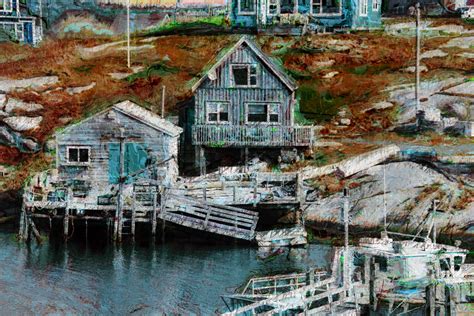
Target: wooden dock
{"type": "Point", "coordinates": [257, 189]}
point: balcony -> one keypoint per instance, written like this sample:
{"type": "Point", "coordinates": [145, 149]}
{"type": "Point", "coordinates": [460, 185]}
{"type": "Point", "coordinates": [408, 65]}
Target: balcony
{"type": "Point", "coordinates": [253, 136]}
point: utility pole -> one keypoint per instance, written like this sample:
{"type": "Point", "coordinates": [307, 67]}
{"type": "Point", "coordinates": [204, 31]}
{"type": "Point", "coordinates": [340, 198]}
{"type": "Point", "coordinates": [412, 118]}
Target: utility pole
{"type": "Point", "coordinates": [435, 209]}
{"type": "Point", "coordinates": [417, 66]}
{"type": "Point", "coordinates": [128, 34]}
{"type": "Point", "coordinates": [345, 216]}
{"type": "Point", "coordinates": [163, 96]}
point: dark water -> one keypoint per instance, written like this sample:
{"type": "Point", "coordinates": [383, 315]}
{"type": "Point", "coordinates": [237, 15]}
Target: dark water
{"type": "Point", "coordinates": [174, 277]}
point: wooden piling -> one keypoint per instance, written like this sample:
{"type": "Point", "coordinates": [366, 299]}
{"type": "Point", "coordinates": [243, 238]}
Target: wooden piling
{"type": "Point", "coordinates": [372, 289]}
{"type": "Point", "coordinates": [153, 219]}
{"type": "Point", "coordinates": [134, 211]}
{"type": "Point", "coordinates": [66, 224]}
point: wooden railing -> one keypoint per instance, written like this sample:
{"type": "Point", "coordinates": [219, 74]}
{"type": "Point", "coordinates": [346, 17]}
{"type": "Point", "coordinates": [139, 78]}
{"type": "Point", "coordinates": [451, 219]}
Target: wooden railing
{"type": "Point", "coordinates": [277, 284]}
{"type": "Point", "coordinates": [252, 136]}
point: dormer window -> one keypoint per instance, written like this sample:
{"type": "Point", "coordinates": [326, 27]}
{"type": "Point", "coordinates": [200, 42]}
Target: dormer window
{"type": "Point", "coordinates": [244, 75]}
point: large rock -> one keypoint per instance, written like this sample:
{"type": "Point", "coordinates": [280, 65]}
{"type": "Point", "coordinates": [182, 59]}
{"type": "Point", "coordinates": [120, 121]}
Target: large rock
{"type": "Point", "coordinates": [11, 138]}
{"type": "Point", "coordinates": [15, 104]}
{"type": "Point", "coordinates": [3, 99]}
{"type": "Point", "coordinates": [410, 189]}
{"type": "Point", "coordinates": [23, 123]}
{"type": "Point", "coordinates": [8, 85]}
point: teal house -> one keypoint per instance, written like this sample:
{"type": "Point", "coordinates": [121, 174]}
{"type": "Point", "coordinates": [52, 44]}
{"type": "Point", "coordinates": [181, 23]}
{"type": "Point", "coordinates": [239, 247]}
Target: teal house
{"type": "Point", "coordinates": [306, 15]}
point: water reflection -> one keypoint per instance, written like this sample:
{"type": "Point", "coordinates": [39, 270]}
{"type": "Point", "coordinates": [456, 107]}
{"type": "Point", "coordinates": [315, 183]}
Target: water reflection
{"type": "Point", "coordinates": [181, 277]}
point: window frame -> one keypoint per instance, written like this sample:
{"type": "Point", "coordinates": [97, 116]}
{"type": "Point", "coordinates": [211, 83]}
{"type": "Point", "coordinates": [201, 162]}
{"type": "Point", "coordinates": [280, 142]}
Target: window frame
{"type": "Point", "coordinates": [267, 122]}
{"type": "Point", "coordinates": [363, 4]}
{"type": "Point", "coordinates": [78, 148]}
{"type": "Point", "coordinates": [375, 5]}
{"type": "Point", "coordinates": [218, 113]}
{"type": "Point", "coordinates": [20, 32]}
{"type": "Point", "coordinates": [249, 75]}
{"type": "Point", "coordinates": [240, 12]}
{"type": "Point", "coordinates": [10, 7]}
{"type": "Point", "coordinates": [321, 11]}
{"type": "Point", "coordinates": [277, 4]}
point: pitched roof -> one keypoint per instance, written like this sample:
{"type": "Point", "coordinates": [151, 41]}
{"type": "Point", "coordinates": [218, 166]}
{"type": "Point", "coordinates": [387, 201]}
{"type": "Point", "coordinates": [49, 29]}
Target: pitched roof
{"type": "Point", "coordinates": [138, 113]}
{"type": "Point", "coordinates": [274, 68]}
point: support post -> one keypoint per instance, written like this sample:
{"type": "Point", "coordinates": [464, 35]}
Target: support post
{"type": "Point", "coordinates": [118, 220]}
{"type": "Point", "coordinates": [21, 233]}
{"type": "Point", "coordinates": [430, 307]}
{"type": "Point", "coordinates": [134, 214]}
{"type": "Point", "coordinates": [246, 159]}
{"type": "Point", "coordinates": [66, 223]}
{"type": "Point", "coordinates": [372, 292]}
{"type": "Point", "coordinates": [202, 161]}
{"type": "Point", "coordinates": [346, 276]}
{"type": "Point", "coordinates": [153, 219]}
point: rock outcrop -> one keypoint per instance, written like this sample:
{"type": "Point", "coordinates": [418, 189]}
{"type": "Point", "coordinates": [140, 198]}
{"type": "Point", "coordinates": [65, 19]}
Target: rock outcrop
{"type": "Point", "coordinates": [410, 189]}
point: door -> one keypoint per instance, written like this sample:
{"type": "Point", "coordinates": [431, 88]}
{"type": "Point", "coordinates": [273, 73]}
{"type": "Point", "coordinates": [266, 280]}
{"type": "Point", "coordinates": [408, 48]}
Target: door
{"type": "Point", "coordinates": [135, 157]}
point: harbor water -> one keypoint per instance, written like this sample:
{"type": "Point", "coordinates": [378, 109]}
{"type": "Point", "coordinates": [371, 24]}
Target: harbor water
{"type": "Point", "coordinates": [183, 277]}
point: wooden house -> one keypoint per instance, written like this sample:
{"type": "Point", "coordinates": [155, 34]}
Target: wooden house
{"type": "Point", "coordinates": [17, 24]}
{"type": "Point", "coordinates": [243, 100]}
{"type": "Point", "coordinates": [126, 140]}
{"type": "Point", "coordinates": [296, 16]}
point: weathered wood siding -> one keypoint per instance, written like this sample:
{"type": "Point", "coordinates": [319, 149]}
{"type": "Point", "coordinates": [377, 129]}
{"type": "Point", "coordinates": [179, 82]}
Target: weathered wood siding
{"type": "Point", "coordinates": [100, 131]}
{"type": "Point", "coordinates": [269, 89]}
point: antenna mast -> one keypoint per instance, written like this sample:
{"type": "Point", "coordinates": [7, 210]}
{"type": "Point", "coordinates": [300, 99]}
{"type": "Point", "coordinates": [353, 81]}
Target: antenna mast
{"type": "Point", "coordinates": [417, 66]}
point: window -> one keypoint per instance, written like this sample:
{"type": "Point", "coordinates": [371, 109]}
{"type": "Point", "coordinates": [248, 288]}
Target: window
{"type": "Point", "coordinates": [287, 6]}
{"type": "Point", "coordinates": [244, 75]}
{"type": "Point", "coordinates": [246, 6]}
{"type": "Point", "coordinates": [273, 7]}
{"type": "Point", "coordinates": [363, 7]}
{"type": "Point", "coordinates": [326, 7]}
{"type": "Point", "coordinates": [263, 113]}
{"type": "Point", "coordinates": [217, 112]}
{"type": "Point", "coordinates": [6, 5]}
{"type": "Point", "coordinates": [78, 155]}
{"type": "Point", "coordinates": [375, 5]}
{"type": "Point", "coordinates": [19, 32]}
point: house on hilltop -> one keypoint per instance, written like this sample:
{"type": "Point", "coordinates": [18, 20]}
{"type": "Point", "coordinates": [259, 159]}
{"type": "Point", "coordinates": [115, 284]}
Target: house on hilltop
{"type": "Point", "coordinates": [242, 102]}
{"type": "Point", "coordinates": [17, 24]}
{"type": "Point", "coordinates": [287, 16]}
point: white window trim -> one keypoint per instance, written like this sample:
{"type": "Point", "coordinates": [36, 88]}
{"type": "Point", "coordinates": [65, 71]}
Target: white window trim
{"type": "Point", "coordinates": [268, 114]}
{"type": "Point", "coordinates": [363, 4]}
{"type": "Point", "coordinates": [322, 13]}
{"type": "Point", "coordinates": [247, 12]}
{"type": "Point", "coordinates": [78, 163]}
{"type": "Point", "coordinates": [7, 10]}
{"type": "Point", "coordinates": [229, 118]}
{"type": "Point", "coordinates": [248, 75]}
{"type": "Point", "coordinates": [277, 11]}
{"type": "Point", "coordinates": [375, 5]}
{"type": "Point", "coordinates": [20, 32]}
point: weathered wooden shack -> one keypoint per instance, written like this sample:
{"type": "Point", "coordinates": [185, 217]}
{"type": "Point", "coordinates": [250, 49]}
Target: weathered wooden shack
{"type": "Point", "coordinates": [243, 100]}
{"type": "Point", "coordinates": [110, 166]}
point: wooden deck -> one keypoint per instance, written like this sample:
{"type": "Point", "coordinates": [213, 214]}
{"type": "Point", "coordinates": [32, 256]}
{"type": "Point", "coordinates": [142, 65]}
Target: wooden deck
{"type": "Point", "coordinates": [257, 189]}
{"type": "Point", "coordinates": [252, 136]}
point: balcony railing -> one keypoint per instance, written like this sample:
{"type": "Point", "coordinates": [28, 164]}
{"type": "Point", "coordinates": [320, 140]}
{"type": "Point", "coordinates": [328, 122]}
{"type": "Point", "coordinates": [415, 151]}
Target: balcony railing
{"type": "Point", "coordinates": [252, 136]}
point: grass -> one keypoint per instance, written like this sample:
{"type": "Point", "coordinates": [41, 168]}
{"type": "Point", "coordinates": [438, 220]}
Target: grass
{"type": "Point", "coordinates": [159, 69]}
{"type": "Point", "coordinates": [219, 21]}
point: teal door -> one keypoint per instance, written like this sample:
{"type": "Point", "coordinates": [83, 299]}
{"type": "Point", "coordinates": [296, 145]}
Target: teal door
{"type": "Point", "coordinates": [135, 156]}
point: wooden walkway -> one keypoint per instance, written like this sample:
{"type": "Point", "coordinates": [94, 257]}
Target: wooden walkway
{"type": "Point", "coordinates": [262, 188]}
{"type": "Point", "coordinates": [219, 219]}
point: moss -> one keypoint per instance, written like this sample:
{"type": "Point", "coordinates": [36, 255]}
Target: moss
{"type": "Point", "coordinates": [320, 106]}
{"type": "Point", "coordinates": [159, 69]}
{"type": "Point", "coordinates": [175, 25]}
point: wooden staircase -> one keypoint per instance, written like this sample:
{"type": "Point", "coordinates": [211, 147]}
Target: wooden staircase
{"type": "Point", "coordinates": [219, 219]}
